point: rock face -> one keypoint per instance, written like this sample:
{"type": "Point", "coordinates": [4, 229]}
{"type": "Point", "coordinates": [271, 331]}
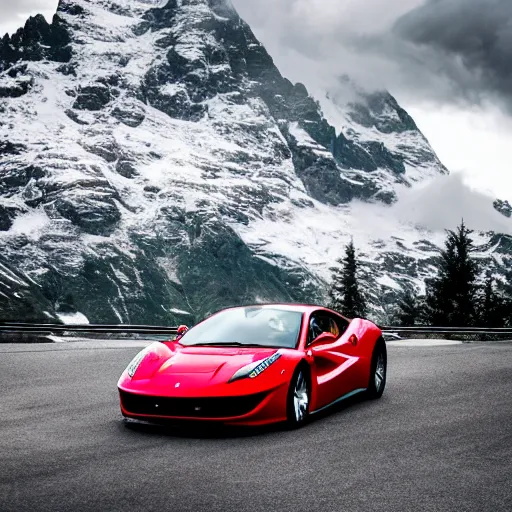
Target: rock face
{"type": "Point", "coordinates": [21, 298]}
{"type": "Point", "coordinates": [380, 138]}
{"type": "Point", "coordinates": [503, 207]}
{"type": "Point", "coordinates": [155, 166]}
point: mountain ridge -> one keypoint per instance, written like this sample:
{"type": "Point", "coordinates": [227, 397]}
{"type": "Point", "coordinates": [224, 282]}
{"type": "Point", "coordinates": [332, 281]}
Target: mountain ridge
{"type": "Point", "coordinates": [157, 166]}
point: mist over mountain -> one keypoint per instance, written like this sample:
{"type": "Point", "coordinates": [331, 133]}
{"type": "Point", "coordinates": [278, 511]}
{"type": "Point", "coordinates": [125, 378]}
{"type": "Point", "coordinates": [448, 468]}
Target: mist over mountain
{"type": "Point", "coordinates": [155, 166]}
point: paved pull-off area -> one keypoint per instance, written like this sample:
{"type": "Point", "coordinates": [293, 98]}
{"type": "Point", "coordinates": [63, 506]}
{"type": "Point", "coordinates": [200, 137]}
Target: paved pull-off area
{"type": "Point", "coordinates": [439, 439]}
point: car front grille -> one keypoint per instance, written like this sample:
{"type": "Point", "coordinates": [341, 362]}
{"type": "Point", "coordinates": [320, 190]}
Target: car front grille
{"type": "Point", "coordinates": [219, 407]}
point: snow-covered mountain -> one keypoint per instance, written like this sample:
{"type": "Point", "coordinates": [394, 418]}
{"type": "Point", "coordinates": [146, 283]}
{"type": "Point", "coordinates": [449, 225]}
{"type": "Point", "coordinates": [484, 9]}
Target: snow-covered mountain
{"type": "Point", "coordinates": [156, 166]}
{"type": "Point", "coordinates": [399, 154]}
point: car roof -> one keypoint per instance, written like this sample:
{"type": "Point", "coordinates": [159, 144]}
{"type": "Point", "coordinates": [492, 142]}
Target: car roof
{"type": "Point", "coordinates": [303, 308]}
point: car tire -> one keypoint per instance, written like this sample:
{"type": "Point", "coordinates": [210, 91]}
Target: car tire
{"type": "Point", "coordinates": [378, 370]}
{"type": "Point", "coordinates": [299, 398]}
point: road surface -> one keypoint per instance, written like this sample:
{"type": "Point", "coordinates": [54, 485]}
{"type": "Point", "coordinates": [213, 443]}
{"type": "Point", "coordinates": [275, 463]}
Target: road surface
{"type": "Point", "coordinates": [440, 439]}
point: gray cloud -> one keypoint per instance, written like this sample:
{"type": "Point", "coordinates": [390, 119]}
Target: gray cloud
{"type": "Point", "coordinates": [441, 51]}
{"type": "Point", "coordinates": [438, 205]}
{"type": "Point", "coordinates": [443, 202]}
{"type": "Point", "coordinates": [470, 42]}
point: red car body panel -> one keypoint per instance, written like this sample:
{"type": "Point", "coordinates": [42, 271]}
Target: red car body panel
{"type": "Point", "coordinates": [175, 382]}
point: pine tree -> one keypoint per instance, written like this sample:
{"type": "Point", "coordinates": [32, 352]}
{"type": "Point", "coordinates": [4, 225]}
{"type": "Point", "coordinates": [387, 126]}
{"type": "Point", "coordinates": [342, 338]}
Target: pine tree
{"type": "Point", "coordinates": [452, 294]}
{"type": "Point", "coordinates": [336, 288]}
{"type": "Point", "coordinates": [508, 312]}
{"type": "Point", "coordinates": [408, 310]}
{"type": "Point", "coordinates": [344, 293]}
{"type": "Point", "coordinates": [493, 305]}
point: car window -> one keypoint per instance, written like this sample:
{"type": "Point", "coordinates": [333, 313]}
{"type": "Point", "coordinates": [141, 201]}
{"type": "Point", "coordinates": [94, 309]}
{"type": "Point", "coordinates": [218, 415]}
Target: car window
{"type": "Point", "coordinates": [272, 327]}
{"type": "Point", "coordinates": [323, 321]}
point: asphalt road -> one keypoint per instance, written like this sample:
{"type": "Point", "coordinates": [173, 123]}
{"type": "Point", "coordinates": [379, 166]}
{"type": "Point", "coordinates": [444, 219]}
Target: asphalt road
{"type": "Point", "coordinates": [439, 439]}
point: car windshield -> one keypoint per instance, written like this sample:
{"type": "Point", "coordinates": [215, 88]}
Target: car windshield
{"type": "Point", "coordinates": [249, 326]}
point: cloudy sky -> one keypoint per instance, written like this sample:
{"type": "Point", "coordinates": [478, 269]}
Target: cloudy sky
{"type": "Point", "coordinates": [446, 61]}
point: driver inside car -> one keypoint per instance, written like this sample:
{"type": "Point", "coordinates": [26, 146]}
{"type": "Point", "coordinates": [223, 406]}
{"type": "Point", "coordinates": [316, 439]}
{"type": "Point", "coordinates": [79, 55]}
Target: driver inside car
{"type": "Point", "coordinates": [319, 325]}
{"type": "Point", "coordinates": [314, 328]}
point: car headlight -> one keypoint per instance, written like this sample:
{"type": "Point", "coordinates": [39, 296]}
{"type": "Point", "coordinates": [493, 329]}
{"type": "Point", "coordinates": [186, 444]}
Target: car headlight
{"type": "Point", "coordinates": [135, 363]}
{"type": "Point", "coordinates": [252, 370]}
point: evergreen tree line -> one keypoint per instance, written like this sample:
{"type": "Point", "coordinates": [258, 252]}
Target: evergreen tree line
{"type": "Point", "coordinates": [462, 294]}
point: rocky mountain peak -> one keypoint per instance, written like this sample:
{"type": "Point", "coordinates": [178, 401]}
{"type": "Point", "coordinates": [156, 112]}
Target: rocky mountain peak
{"type": "Point", "coordinates": [36, 41]}
{"type": "Point", "coordinates": [156, 166]}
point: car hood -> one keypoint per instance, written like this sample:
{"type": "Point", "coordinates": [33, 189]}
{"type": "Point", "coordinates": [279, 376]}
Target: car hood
{"type": "Point", "coordinates": [173, 370]}
{"type": "Point", "coordinates": [193, 360]}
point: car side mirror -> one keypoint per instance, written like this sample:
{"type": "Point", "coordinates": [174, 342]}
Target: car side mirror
{"type": "Point", "coordinates": [323, 339]}
{"type": "Point", "coordinates": [182, 329]}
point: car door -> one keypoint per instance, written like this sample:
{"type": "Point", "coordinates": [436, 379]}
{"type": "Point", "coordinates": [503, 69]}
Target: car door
{"type": "Point", "coordinates": [334, 364]}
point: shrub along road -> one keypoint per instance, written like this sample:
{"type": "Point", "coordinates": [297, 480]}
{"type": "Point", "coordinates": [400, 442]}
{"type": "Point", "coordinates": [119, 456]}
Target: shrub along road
{"type": "Point", "coordinates": [439, 439]}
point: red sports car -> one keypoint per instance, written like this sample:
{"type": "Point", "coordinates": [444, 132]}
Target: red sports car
{"type": "Point", "coordinates": [256, 365]}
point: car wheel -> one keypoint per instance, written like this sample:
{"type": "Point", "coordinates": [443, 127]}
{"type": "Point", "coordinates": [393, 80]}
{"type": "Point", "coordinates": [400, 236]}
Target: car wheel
{"type": "Point", "coordinates": [299, 395]}
{"type": "Point", "coordinates": [378, 370]}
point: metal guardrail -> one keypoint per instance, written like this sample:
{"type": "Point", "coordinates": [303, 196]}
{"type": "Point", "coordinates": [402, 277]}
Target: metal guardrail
{"type": "Point", "coordinates": [448, 330]}
{"type": "Point", "coordinates": [164, 330]}
{"type": "Point", "coordinates": [88, 328]}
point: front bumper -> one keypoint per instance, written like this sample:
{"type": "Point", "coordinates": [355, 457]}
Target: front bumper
{"type": "Point", "coordinates": [255, 409]}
